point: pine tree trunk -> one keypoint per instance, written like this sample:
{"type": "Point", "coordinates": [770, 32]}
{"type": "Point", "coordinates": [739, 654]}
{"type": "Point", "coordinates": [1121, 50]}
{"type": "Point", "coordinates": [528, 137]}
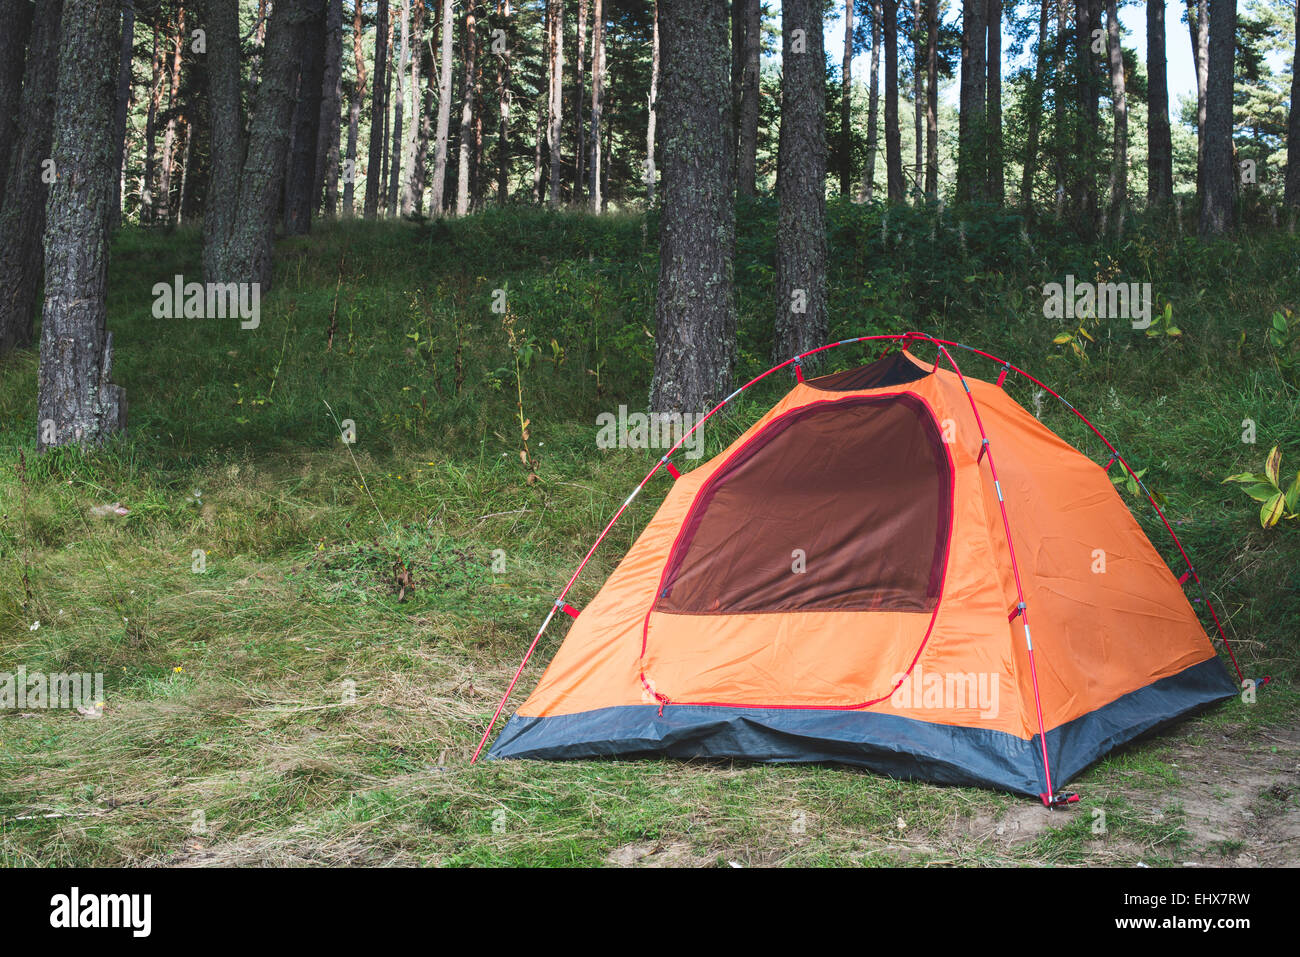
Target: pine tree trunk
{"type": "Point", "coordinates": [467, 113]}
{"type": "Point", "coordinates": [801, 322]}
{"type": "Point", "coordinates": [539, 138]}
{"type": "Point", "coordinates": [325, 191]}
{"type": "Point", "coordinates": [555, 59]}
{"type": "Point", "coordinates": [148, 197]}
{"type": "Point", "coordinates": [301, 181]}
{"type": "Point", "coordinates": [873, 104]}
{"type": "Point", "coordinates": [503, 111]}
{"type": "Point", "coordinates": [1217, 210]}
{"type": "Point", "coordinates": [22, 207]}
{"type": "Point", "coordinates": [695, 319]}
{"type": "Point", "coordinates": [412, 199]}
{"type": "Point", "coordinates": [846, 104]}
{"type": "Point", "coordinates": [1160, 150]}
{"type": "Point", "coordinates": [247, 253]}
{"type": "Point", "coordinates": [167, 162]}
{"type": "Point", "coordinates": [226, 160]}
{"type": "Point", "coordinates": [1198, 23]}
{"type": "Point", "coordinates": [1119, 154]}
{"type": "Point", "coordinates": [354, 113]}
{"type": "Point", "coordinates": [597, 102]}
{"type": "Point", "coordinates": [1059, 93]}
{"type": "Point", "coordinates": [997, 188]}
{"type": "Point", "coordinates": [437, 203]}
{"type": "Point", "coordinates": [1292, 195]}
{"type": "Point", "coordinates": [126, 53]}
{"type": "Point", "coordinates": [652, 109]}
{"type": "Point", "coordinates": [932, 98]}
{"type": "Point", "coordinates": [1087, 128]}
{"type": "Point", "coordinates": [893, 143]}
{"type": "Point", "coordinates": [747, 122]}
{"type": "Point", "coordinates": [918, 102]}
{"type": "Point", "coordinates": [1035, 108]}
{"type": "Point", "coordinates": [76, 402]}
{"type": "Point", "coordinates": [16, 15]}
{"type": "Point", "coordinates": [378, 111]}
{"type": "Point", "coordinates": [580, 134]}
{"type": "Point", "coordinates": [399, 111]}
{"type": "Point", "coordinates": [972, 142]}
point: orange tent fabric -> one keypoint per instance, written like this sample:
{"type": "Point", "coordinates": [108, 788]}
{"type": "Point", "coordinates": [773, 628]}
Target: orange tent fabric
{"type": "Point", "coordinates": [838, 585]}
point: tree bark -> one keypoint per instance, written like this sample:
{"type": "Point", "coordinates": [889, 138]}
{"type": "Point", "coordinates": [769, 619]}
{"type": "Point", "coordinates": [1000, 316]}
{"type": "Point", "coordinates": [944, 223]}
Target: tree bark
{"type": "Point", "coordinates": [1035, 109]}
{"type": "Point", "coordinates": [326, 188]}
{"type": "Point", "coordinates": [918, 100]}
{"type": "Point", "coordinates": [167, 162]}
{"type": "Point", "coordinates": [413, 161]}
{"type": "Point", "coordinates": [399, 112]}
{"type": "Point", "coordinates": [467, 110]}
{"type": "Point", "coordinates": [1217, 209]}
{"type": "Point", "coordinates": [597, 101]}
{"type": "Point", "coordinates": [221, 21]}
{"type": "Point", "coordinates": [22, 208]}
{"type": "Point", "coordinates": [873, 104]}
{"type": "Point", "coordinates": [932, 98]}
{"type": "Point", "coordinates": [652, 109]}
{"type": "Point", "coordinates": [695, 319]}
{"type": "Point", "coordinates": [301, 193]}
{"type": "Point", "coordinates": [246, 256]}
{"type": "Point", "coordinates": [16, 15]}
{"type": "Point", "coordinates": [354, 112]}
{"type": "Point", "coordinates": [1198, 24]}
{"type": "Point", "coordinates": [555, 60]}
{"type": "Point", "coordinates": [503, 110]}
{"type": "Point", "coordinates": [1292, 194]}
{"type": "Point", "coordinates": [893, 144]}
{"type": "Point", "coordinates": [437, 205]}
{"type": "Point", "coordinates": [147, 195]}
{"type": "Point", "coordinates": [378, 110]}
{"type": "Point", "coordinates": [1119, 154]}
{"type": "Point", "coordinates": [747, 121]}
{"type": "Point", "coordinates": [126, 53]}
{"type": "Point", "coordinates": [1087, 129]}
{"type": "Point", "coordinates": [74, 388]}
{"type": "Point", "coordinates": [846, 103]}
{"type": "Point", "coordinates": [972, 142]}
{"type": "Point", "coordinates": [1160, 150]}
{"type": "Point", "coordinates": [993, 114]}
{"type": "Point", "coordinates": [801, 322]}
{"type": "Point", "coordinates": [580, 94]}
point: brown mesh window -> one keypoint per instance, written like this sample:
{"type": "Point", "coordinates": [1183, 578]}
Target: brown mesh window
{"type": "Point", "coordinates": [893, 369]}
{"type": "Point", "coordinates": [862, 486]}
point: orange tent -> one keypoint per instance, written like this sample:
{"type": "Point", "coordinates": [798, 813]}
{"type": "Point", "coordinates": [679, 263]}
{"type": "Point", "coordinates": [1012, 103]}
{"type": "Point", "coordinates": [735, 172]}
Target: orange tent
{"type": "Point", "coordinates": [852, 580]}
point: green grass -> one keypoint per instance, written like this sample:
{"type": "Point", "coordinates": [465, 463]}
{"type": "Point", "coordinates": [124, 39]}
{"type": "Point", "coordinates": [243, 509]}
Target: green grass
{"type": "Point", "coordinates": [290, 704]}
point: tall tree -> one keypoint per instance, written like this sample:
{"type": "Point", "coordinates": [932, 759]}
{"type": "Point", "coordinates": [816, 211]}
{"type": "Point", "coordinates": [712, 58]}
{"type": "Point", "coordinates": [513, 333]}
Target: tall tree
{"type": "Point", "coordinates": [125, 55]}
{"type": "Point", "coordinates": [652, 108]}
{"type": "Point", "coordinates": [932, 98]}
{"type": "Point", "coordinates": [1198, 23]}
{"type": "Point", "coordinates": [1217, 210]}
{"type": "Point", "coordinates": [148, 190]}
{"type": "Point", "coordinates": [993, 111]}
{"type": "Point", "coordinates": [503, 106]}
{"type": "Point", "coordinates": [76, 401]}
{"type": "Point", "coordinates": [22, 207]}
{"type": "Point", "coordinates": [244, 253]}
{"type": "Point", "coordinates": [357, 97]}
{"type": "Point", "coordinates": [555, 114]}
{"type": "Point", "coordinates": [597, 101]}
{"type": "Point", "coordinates": [1292, 194]}
{"type": "Point", "coordinates": [436, 202]}
{"type": "Point", "coordinates": [1034, 121]}
{"type": "Point", "coordinates": [1088, 125]}
{"type": "Point", "coordinates": [378, 111]}
{"type": "Point", "coordinates": [399, 111]}
{"type": "Point", "coordinates": [918, 98]}
{"type": "Point", "coordinates": [893, 142]}
{"type": "Point", "coordinates": [167, 162]}
{"type": "Point", "coordinates": [468, 108]}
{"type": "Point", "coordinates": [579, 105]}
{"type": "Point", "coordinates": [801, 322]}
{"type": "Point", "coordinates": [695, 319]}
{"type": "Point", "coordinates": [16, 15]}
{"type": "Point", "coordinates": [300, 194]}
{"type": "Point", "coordinates": [846, 103]}
{"type": "Point", "coordinates": [412, 195]}
{"type": "Point", "coordinates": [873, 104]}
{"type": "Point", "coordinates": [747, 119]}
{"type": "Point", "coordinates": [1119, 97]}
{"type": "Point", "coordinates": [971, 141]}
{"type": "Point", "coordinates": [1160, 149]}
{"type": "Point", "coordinates": [326, 188]}
{"type": "Point", "coordinates": [221, 23]}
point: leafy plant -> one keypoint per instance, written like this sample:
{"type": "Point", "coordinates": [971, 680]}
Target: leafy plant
{"type": "Point", "coordinates": [1284, 337]}
{"type": "Point", "coordinates": [1164, 324]}
{"type": "Point", "coordinates": [1266, 488]}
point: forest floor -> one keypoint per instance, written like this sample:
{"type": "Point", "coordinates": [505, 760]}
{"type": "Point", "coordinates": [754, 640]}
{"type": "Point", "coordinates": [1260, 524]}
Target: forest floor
{"type": "Point", "coordinates": [303, 640]}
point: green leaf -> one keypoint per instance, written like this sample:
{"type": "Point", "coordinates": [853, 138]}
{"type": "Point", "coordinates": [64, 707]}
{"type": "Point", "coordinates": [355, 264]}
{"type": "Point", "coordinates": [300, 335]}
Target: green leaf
{"type": "Point", "coordinates": [1261, 492]}
{"type": "Point", "coordinates": [1273, 464]}
{"type": "Point", "coordinates": [1173, 331]}
{"type": "Point", "coordinates": [1062, 338]}
{"type": "Point", "coordinates": [1245, 478]}
{"type": "Point", "coordinates": [1279, 322]}
{"type": "Point", "coordinates": [1272, 510]}
{"type": "Point", "coordinates": [1293, 495]}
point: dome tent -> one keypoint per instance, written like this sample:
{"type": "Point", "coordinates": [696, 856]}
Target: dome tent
{"type": "Point", "coordinates": [852, 581]}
